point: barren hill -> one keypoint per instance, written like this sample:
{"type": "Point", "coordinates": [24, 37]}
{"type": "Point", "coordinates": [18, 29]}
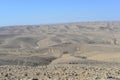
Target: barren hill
{"type": "Point", "coordinates": [42, 44]}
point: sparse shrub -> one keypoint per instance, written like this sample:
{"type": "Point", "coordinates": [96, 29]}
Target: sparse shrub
{"type": "Point", "coordinates": [65, 52]}
{"type": "Point", "coordinates": [83, 57]}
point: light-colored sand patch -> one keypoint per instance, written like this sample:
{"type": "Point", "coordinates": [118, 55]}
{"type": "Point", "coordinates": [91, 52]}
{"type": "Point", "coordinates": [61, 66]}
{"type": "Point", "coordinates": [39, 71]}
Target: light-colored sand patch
{"type": "Point", "coordinates": [106, 57]}
{"type": "Point", "coordinates": [66, 58]}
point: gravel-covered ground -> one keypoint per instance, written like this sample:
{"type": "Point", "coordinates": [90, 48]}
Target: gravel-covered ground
{"type": "Point", "coordinates": [60, 72]}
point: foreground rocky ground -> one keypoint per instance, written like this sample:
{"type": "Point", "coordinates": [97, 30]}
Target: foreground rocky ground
{"type": "Point", "coordinates": [60, 72]}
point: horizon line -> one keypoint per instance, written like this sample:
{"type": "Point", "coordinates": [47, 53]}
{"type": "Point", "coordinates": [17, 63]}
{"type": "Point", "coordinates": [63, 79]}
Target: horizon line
{"type": "Point", "coordinates": [59, 23]}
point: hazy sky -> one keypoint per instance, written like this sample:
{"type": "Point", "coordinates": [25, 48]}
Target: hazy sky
{"type": "Point", "coordinates": [24, 12]}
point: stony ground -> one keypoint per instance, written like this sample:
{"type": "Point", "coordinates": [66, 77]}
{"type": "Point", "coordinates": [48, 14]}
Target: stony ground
{"type": "Point", "coordinates": [60, 72]}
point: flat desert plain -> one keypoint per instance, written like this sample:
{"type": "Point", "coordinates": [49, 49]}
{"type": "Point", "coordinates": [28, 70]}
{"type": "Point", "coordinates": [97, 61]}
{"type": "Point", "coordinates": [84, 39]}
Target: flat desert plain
{"type": "Point", "coordinates": [68, 51]}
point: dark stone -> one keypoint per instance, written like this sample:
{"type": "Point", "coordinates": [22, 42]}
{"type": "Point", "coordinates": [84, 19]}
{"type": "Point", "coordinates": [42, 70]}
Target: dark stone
{"type": "Point", "coordinates": [35, 79]}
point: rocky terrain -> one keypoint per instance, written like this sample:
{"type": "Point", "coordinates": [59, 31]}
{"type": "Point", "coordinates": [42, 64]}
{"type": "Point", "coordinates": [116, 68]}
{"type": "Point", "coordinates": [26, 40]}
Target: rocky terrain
{"type": "Point", "coordinates": [60, 72]}
{"type": "Point", "coordinates": [69, 51]}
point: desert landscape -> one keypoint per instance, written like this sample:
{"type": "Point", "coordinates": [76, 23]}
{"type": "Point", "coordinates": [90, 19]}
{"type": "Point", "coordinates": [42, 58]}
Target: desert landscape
{"type": "Point", "coordinates": [66, 51]}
